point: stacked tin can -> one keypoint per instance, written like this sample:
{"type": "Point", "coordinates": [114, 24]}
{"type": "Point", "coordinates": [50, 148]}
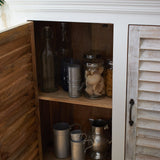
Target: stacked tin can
{"type": "Point", "coordinates": [74, 80]}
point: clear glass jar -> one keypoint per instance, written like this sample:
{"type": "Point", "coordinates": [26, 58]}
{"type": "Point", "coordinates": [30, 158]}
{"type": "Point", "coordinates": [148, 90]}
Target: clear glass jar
{"type": "Point", "coordinates": [94, 80]}
{"type": "Point", "coordinates": [108, 77]}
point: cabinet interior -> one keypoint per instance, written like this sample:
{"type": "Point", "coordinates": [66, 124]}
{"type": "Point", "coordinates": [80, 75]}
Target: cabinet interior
{"type": "Point", "coordinates": [58, 107]}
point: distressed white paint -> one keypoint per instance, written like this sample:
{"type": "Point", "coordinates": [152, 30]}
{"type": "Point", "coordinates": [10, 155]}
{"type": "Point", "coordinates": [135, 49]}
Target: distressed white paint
{"type": "Point", "coordinates": [120, 13]}
{"type": "Point", "coordinates": [142, 137]}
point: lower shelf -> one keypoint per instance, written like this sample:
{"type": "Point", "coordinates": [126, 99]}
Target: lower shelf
{"type": "Point", "coordinates": [50, 156]}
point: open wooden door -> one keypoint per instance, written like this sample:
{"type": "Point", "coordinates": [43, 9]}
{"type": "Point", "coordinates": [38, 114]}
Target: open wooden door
{"type": "Point", "coordinates": [143, 94]}
{"type": "Point", "coordinates": [19, 113]}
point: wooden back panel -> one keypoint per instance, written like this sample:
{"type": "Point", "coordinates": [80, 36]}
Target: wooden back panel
{"type": "Point", "coordinates": [19, 120]}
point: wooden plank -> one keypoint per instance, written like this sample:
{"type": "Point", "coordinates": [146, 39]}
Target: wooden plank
{"type": "Point", "coordinates": [62, 96]}
{"type": "Point", "coordinates": [19, 132]}
{"type": "Point", "coordinates": [27, 154]}
{"type": "Point", "coordinates": [12, 77]}
{"type": "Point", "coordinates": [26, 91]}
{"type": "Point", "coordinates": [149, 86]}
{"type": "Point", "coordinates": [7, 69]}
{"type": "Point", "coordinates": [49, 155]}
{"type": "Point", "coordinates": [132, 85]}
{"type": "Point", "coordinates": [149, 66]}
{"type": "Point", "coordinates": [8, 131]}
{"type": "Point", "coordinates": [15, 33]}
{"type": "Point", "coordinates": [150, 44]}
{"type": "Point", "coordinates": [155, 97]}
{"type": "Point", "coordinates": [149, 105]}
{"type": "Point", "coordinates": [149, 32]}
{"type": "Point", "coordinates": [149, 76]}
{"type": "Point", "coordinates": [14, 106]}
{"type": "Point", "coordinates": [145, 133]}
{"type": "Point", "coordinates": [11, 90]}
{"type": "Point", "coordinates": [142, 114]}
{"type": "Point", "coordinates": [13, 55]}
{"type": "Point", "coordinates": [144, 157]}
{"type": "Point", "coordinates": [148, 142]}
{"type": "Point", "coordinates": [148, 124]}
{"type": "Point", "coordinates": [12, 147]}
{"type": "Point", "coordinates": [148, 151]}
{"type": "Point", "coordinates": [36, 90]}
{"type": "Point", "coordinates": [9, 47]}
{"type": "Point", "coordinates": [149, 55]}
{"type": "Point", "coordinates": [22, 148]}
{"type": "Point", "coordinates": [16, 114]}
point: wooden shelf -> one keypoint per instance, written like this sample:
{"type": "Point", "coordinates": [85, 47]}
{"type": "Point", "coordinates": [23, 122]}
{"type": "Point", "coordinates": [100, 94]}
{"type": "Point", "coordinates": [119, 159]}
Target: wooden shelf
{"type": "Point", "coordinates": [50, 156]}
{"type": "Point", "coordinates": [62, 96]}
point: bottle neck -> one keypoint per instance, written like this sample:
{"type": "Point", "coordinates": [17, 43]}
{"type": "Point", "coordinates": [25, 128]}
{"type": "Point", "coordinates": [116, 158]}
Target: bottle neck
{"type": "Point", "coordinates": [47, 43]}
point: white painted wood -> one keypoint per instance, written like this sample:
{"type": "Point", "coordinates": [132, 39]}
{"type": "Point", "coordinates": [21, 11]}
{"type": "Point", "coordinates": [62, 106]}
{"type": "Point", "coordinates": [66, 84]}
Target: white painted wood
{"type": "Point", "coordinates": [111, 6]}
{"type": "Point", "coordinates": [148, 152]}
{"type": "Point", "coordinates": [149, 86]}
{"type": "Point", "coordinates": [150, 66]}
{"type": "Point", "coordinates": [133, 65]}
{"type": "Point", "coordinates": [119, 87]}
{"type": "Point", "coordinates": [143, 157]}
{"type": "Point", "coordinates": [149, 55]}
{"type": "Point", "coordinates": [149, 105]}
{"type": "Point", "coordinates": [149, 76]}
{"type": "Point", "coordinates": [144, 88]}
{"type": "Point", "coordinates": [148, 142]}
{"type": "Point", "coordinates": [148, 124]}
{"type": "Point", "coordinates": [145, 133]}
{"type": "Point", "coordinates": [151, 44]}
{"type": "Point", "coordinates": [149, 96]}
{"type": "Point", "coordinates": [142, 114]}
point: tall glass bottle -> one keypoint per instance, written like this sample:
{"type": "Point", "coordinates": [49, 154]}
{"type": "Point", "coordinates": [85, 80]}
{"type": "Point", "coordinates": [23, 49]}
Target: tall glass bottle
{"type": "Point", "coordinates": [48, 63]}
{"type": "Point", "coordinates": [64, 53]}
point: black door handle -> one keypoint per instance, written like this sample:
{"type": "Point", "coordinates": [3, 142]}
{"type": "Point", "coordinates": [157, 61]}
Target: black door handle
{"type": "Point", "coordinates": [131, 122]}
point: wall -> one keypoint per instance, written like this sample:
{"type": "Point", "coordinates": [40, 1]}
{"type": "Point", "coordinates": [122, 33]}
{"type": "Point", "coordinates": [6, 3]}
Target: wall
{"type": "Point", "coordinates": [118, 12]}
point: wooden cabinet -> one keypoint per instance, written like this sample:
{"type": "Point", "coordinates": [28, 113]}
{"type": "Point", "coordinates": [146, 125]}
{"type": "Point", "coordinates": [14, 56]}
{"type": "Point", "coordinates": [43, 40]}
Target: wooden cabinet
{"type": "Point", "coordinates": [143, 137]}
{"type": "Point", "coordinates": [19, 113]}
{"type": "Point", "coordinates": [22, 105]}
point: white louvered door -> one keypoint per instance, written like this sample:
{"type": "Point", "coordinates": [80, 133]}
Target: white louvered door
{"type": "Point", "coordinates": [143, 137]}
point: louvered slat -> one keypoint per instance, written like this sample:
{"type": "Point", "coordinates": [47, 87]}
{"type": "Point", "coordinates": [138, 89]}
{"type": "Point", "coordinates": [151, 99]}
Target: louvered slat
{"type": "Point", "coordinates": [147, 76]}
{"type": "Point", "coordinates": [142, 114]}
{"type": "Point", "coordinates": [144, 157]}
{"type": "Point", "coordinates": [150, 43]}
{"type": "Point", "coordinates": [145, 133]}
{"type": "Point", "coordinates": [148, 142]}
{"type": "Point", "coordinates": [147, 105]}
{"type": "Point", "coordinates": [148, 152]}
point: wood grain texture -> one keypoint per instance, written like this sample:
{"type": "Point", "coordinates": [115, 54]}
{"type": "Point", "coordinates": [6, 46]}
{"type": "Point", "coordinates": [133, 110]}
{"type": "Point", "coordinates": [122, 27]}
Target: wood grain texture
{"type": "Point", "coordinates": [62, 96]}
{"type": "Point", "coordinates": [49, 155]}
{"type": "Point", "coordinates": [18, 117]}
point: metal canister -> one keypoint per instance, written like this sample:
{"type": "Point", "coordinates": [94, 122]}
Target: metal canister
{"type": "Point", "coordinates": [61, 132]}
{"type": "Point", "coordinates": [74, 80]}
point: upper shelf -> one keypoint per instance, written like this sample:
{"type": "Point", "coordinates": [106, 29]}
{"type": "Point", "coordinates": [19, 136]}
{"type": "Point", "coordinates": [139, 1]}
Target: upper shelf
{"type": "Point", "coordinates": [62, 96]}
